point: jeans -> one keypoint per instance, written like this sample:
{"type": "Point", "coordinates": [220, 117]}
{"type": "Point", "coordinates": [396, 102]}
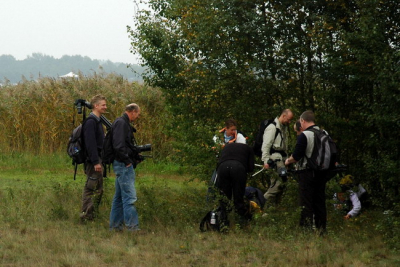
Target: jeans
{"type": "Point", "coordinates": [123, 209]}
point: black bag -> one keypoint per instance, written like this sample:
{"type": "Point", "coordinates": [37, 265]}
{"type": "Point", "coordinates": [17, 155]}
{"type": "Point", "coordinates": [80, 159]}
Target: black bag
{"type": "Point", "coordinates": [255, 195]}
{"type": "Point", "coordinates": [107, 154]}
{"type": "Point", "coordinates": [76, 147]}
{"type": "Point", "coordinates": [259, 138]}
{"type": "Point", "coordinates": [215, 220]}
{"type": "Point", "coordinates": [324, 154]}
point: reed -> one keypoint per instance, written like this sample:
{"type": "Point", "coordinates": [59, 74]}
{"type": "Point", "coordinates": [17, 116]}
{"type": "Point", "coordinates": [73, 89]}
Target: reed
{"type": "Point", "coordinates": [38, 116]}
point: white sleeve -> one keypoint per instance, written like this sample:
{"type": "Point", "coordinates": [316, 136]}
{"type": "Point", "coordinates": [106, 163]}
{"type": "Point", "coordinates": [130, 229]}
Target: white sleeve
{"type": "Point", "coordinates": [356, 205]}
{"type": "Point", "coordinates": [240, 139]}
{"type": "Point", "coordinates": [361, 190]}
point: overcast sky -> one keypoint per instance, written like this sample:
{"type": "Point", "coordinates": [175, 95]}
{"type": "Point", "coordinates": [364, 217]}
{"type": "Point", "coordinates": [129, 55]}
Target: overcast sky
{"type": "Point", "coordinates": [93, 28]}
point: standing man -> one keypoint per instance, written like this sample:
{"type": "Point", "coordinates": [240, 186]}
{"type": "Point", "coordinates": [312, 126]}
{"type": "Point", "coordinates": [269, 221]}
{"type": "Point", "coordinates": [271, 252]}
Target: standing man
{"type": "Point", "coordinates": [274, 147]}
{"type": "Point", "coordinates": [235, 162]}
{"type": "Point", "coordinates": [311, 182]}
{"type": "Point", "coordinates": [123, 208]}
{"type": "Point", "coordinates": [93, 136]}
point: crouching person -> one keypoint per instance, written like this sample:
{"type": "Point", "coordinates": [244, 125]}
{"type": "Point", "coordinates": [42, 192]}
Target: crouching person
{"type": "Point", "coordinates": [348, 200]}
{"type": "Point", "coordinates": [235, 161]}
{"type": "Point", "coordinates": [123, 208]}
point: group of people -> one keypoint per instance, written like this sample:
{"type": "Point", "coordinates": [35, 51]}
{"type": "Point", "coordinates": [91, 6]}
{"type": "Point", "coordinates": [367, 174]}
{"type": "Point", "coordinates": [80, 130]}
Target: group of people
{"type": "Point", "coordinates": [235, 161]}
{"type": "Point", "coordinates": [237, 158]}
{"type": "Point", "coordinates": [123, 211]}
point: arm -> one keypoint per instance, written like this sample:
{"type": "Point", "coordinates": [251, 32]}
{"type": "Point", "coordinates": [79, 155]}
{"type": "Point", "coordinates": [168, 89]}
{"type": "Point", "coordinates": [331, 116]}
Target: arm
{"type": "Point", "coordinates": [268, 140]}
{"type": "Point", "coordinates": [121, 150]}
{"type": "Point", "coordinates": [89, 133]}
{"type": "Point", "coordinates": [299, 151]}
{"type": "Point", "coordinates": [356, 206]}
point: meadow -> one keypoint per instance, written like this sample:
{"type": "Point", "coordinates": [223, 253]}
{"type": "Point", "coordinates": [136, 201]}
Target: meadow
{"type": "Point", "coordinates": [39, 224]}
{"type": "Point", "coordinates": [40, 201]}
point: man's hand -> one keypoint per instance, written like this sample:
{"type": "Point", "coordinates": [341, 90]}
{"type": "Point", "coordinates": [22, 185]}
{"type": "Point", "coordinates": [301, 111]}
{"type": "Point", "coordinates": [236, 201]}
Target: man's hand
{"type": "Point", "coordinates": [289, 161]}
{"type": "Point", "coordinates": [98, 168]}
{"type": "Point", "coordinates": [348, 216]}
{"type": "Point", "coordinates": [266, 166]}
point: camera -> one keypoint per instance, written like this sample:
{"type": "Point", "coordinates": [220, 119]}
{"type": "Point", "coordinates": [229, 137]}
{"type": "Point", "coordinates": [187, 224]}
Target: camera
{"type": "Point", "coordinates": [282, 172]}
{"type": "Point", "coordinates": [143, 148]}
{"type": "Point", "coordinates": [271, 163]}
{"type": "Point", "coordinates": [79, 103]}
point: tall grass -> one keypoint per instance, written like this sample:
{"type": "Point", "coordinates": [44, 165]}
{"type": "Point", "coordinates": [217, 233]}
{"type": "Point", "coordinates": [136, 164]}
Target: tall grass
{"type": "Point", "coordinates": [38, 116]}
{"type": "Point", "coordinates": [39, 225]}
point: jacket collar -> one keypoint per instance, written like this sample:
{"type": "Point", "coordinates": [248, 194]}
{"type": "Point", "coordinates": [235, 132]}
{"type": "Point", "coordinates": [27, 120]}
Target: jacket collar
{"type": "Point", "coordinates": [126, 118]}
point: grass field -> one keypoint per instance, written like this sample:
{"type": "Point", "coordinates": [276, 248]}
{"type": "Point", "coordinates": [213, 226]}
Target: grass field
{"type": "Point", "coordinates": [39, 225]}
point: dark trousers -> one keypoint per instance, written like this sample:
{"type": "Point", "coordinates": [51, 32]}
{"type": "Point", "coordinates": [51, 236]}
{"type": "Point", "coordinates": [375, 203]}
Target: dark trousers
{"type": "Point", "coordinates": [92, 192]}
{"type": "Point", "coordinates": [232, 183]}
{"type": "Point", "coordinates": [312, 199]}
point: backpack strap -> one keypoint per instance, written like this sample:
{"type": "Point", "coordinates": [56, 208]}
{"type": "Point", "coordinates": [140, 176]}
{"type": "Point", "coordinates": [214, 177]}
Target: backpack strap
{"type": "Point", "coordinates": [76, 167]}
{"type": "Point", "coordinates": [277, 131]}
{"type": "Point", "coordinates": [206, 218]}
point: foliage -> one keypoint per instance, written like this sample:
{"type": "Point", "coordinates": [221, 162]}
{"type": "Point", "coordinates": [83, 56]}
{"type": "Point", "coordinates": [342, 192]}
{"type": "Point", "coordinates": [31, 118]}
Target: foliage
{"type": "Point", "coordinates": [39, 116]}
{"type": "Point", "coordinates": [250, 59]}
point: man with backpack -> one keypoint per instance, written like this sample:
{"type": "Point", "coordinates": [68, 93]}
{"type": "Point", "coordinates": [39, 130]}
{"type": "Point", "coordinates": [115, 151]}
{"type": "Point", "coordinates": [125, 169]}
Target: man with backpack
{"type": "Point", "coordinates": [93, 137]}
{"type": "Point", "coordinates": [311, 180]}
{"type": "Point", "coordinates": [274, 149]}
{"type": "Point", "coordinates": [126, 158]}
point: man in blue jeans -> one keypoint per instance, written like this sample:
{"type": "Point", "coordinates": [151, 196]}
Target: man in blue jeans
{"type": "Point", "coordinates": [123, 208]}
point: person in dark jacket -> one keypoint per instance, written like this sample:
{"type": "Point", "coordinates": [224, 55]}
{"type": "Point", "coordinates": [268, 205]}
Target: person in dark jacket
{"type": "Point", "coordinates": [235, 161]}
{"type": "Point", "coordinates": [93, 136]}
{"type": "Point", "coordinates": [312, 183]}
{"type": "Point", "coordinates": [123, 208]}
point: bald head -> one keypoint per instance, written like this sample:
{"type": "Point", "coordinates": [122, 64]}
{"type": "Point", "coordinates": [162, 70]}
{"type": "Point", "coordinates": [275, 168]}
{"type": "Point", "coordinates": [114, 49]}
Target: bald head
{"type": "Point", "coordinates": [286, 117]}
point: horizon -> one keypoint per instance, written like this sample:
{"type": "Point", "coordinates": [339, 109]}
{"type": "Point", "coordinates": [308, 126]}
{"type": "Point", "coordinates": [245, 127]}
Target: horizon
{"type": "Point", "coordinates": [46, 55]}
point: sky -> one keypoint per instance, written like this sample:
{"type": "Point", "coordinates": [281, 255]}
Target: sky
{"type": "Point", "coordinates": [93, 28]}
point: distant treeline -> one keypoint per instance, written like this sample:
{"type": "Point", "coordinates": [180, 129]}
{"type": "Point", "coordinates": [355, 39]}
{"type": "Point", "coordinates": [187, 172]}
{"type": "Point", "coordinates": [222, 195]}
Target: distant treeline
{"type": "Point", "coordinates": [39, 65]}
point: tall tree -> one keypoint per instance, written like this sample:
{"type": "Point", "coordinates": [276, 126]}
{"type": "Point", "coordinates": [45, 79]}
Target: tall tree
{"type": "Point", "coordinates": [249, 59]}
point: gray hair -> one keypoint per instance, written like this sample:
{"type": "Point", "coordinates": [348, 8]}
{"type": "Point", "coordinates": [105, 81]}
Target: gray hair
{"type": "Point", "coordinates": [308, 116]}
{"type": "Point", "coordinates": [131, 107]}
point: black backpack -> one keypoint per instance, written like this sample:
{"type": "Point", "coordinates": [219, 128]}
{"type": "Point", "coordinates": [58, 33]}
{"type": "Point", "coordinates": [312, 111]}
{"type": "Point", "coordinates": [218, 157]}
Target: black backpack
{"type": "Point", "coordinates": [324, 154]}
{"type": "Point", "coordinates": [76, 147]}
{"type": "Point", "coordinates": [215, 220]}
{"type": "Point", "coordinates": [255, 195]}
{"type": "Point", "coordinates": [259, 138]}
{"type": "Point", "coordinates": [107, 154]}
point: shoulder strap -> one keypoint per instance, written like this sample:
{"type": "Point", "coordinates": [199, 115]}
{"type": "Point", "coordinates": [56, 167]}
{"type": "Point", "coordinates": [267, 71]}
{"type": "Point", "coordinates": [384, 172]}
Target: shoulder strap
{"type": "Point", "coordinates": [278, 131]}
{"type": "Point", "coordinates": [76, 167]}
{"type": "Point", "coordinates": [88, 118]}
{"type": "Point", "coordinates": [203, 227]}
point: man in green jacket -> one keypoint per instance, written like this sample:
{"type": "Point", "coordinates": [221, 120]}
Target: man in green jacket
{"type": "Point", "coordinates": [274, 148]}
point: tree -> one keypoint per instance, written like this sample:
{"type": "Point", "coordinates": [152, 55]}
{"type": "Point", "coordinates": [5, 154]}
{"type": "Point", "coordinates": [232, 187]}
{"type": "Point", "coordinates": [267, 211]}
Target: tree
{"type": "Point", "coordinates": [250, 59]}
